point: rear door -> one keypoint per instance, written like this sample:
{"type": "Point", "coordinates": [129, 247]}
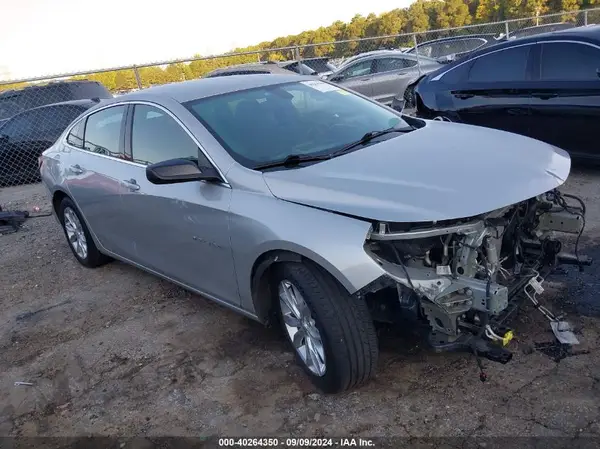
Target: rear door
{"type": "Point", "coordinates": [496, 90]}
{"type": "Point", "coordinates": [95, 164]}
{"type": "Point", "coordinates": [357, 76]}
{"type": "Point", "coordinates": [566, 100]}
{"type": "Point", "coordinates": [391, 75]}
{"type": "Point", "coordinates": [178, 230]}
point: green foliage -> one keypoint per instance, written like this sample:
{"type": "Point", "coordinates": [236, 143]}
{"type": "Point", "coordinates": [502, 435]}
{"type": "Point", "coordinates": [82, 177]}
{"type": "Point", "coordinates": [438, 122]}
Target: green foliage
{"type": "Point", "coordinates": [420, 16]}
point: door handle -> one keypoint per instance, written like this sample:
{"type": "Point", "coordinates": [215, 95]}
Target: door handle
{"type": "Point", "coordinates": [76, 169]}
{"type": "Point", "coordinates": [366, 79]}
{"type": "Point", "coordinates": [464, 96]}
{"type": "Point", "coordinates": [131, 184]}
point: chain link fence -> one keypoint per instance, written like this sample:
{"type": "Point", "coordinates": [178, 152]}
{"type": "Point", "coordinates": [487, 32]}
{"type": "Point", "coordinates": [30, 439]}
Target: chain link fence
{"type": "Point", "coordinates": [35, 111]}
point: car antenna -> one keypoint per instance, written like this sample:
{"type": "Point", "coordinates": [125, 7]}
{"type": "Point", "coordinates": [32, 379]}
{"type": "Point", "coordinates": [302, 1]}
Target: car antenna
{"type": "Point", "coordinates": [96, 100]}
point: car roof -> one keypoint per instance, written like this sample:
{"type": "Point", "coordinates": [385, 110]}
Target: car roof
{"type": "Point", "coordinates": [583, 33]}
{"type": "Point", "coordinates": [271, 67]}
{"type": "Point", "coordinates": [376, 53]}
{"type": "Point", "coordinates": [453, 38]}
{"type": "Point", "coordinates": [208, 87]}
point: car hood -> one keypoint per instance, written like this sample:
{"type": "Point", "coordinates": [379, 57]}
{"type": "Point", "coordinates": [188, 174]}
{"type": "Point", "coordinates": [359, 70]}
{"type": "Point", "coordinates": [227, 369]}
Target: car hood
{"type": "Point", "coordinates": [439, 172]}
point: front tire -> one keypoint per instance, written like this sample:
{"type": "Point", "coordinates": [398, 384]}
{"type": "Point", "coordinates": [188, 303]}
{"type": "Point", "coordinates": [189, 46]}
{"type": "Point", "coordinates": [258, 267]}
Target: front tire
{"type": "Point", "coordinates": [78, 236]}
{"type": "Point", "coordinates": [331, 333]}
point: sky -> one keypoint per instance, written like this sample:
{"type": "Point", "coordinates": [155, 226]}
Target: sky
{"type": "Point", "coordinates": [46, 37]}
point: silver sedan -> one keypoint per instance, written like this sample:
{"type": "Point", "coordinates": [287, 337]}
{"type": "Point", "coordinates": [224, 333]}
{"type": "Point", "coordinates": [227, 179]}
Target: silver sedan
{"type": "Point", "coordinates": [292, 200]}
{"type": "Point", "coordinates": [382, 74]}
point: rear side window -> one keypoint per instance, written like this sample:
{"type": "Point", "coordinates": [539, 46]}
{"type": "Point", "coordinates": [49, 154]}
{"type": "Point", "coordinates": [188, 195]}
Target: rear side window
{"type": "Point", "coordinates": [319, 65]}
{"type": "Point", "coordinates": [75, 137]}
{"type": "Point", "coordinates": [460, 46]}
{"type": "Point", "coordinates": [294, 67]}
{"type": "Point", "coordinates": [569, 62]}
{"type": "Point", "coordinates": [103, 132]}
{"type": "Point", "coordinates": [391, 64]}
{"type": "Point", "coordinates": [358, 69]}
{"type": "Point", "coordinates": [501, 66]}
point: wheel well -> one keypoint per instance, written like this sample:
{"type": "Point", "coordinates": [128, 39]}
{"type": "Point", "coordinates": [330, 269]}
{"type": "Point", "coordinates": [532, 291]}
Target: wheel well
{"type": "Point", "coordinates": [262, 275]}
{"type": "Point", "coordinates": [57, 198]}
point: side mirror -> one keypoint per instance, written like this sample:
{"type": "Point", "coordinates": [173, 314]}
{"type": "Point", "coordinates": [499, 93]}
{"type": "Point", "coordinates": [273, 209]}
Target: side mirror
{"type": "Point", "coordinates": [175, 171]}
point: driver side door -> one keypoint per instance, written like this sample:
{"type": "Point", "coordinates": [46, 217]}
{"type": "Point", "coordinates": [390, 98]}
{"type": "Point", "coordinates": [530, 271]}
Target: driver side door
{"type": "Point", "coordinates": [357, 77]}
{"type": "Point", "coordinates": [180, 231]}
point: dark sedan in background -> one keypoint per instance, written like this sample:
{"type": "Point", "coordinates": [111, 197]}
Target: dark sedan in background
{"type": "Point", "coordinates": [24, 137]}
{"type": "Point", "coordinates": [545, 86]}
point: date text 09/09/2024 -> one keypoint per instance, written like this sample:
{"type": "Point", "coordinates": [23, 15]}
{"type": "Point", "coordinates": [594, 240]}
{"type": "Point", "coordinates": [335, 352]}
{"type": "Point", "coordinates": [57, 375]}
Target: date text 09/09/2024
{"type": "Point", "coordinates": [296, 442]}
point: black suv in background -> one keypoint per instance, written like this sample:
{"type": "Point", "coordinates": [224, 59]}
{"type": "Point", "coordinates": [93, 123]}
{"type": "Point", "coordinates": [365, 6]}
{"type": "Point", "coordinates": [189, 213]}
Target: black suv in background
{"type": "Point", "coordinates": [25, 136]}
{"type": "Point", "coordinates": [14, 101]}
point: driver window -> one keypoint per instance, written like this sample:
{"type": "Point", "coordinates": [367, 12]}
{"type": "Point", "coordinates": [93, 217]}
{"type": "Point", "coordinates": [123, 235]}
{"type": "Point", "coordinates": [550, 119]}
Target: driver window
{"type": "Point", "coordinates": [565, 61]}
{"type": "Point", "coordinates": [157, 137]}
{"type": "Point", "coordinates": [390, 64]}
{"type": "Point", "coordinates": [358, 69]}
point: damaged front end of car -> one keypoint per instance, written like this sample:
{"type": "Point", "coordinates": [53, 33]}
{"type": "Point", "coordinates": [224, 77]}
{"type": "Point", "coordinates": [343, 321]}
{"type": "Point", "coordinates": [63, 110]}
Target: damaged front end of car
{"type": "Point", "coordinates": [466, 277]}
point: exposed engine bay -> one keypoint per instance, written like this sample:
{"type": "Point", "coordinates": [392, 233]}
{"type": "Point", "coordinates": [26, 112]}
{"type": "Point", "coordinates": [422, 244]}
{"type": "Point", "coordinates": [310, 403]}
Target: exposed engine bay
{"type": "Point", "coordinates": [465, 277]}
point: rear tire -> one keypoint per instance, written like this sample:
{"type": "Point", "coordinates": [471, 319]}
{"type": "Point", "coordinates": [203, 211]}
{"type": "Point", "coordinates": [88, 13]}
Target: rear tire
{"type": "Point", "coordinates": [78, 235]}
{"type": "Point", "coordinates": [343, 327]}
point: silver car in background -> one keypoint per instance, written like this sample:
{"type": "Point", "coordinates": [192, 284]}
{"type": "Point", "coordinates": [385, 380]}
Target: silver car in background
{"type": "Point", "coordinates": [292, 200]}
{"type": "Point", "coordinates": [258, 68]}
{"type": "Point", "coordinates": [382, 74]}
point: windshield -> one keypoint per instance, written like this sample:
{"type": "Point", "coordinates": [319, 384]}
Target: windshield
{"type": "Point", "coordinates": [306, 118]}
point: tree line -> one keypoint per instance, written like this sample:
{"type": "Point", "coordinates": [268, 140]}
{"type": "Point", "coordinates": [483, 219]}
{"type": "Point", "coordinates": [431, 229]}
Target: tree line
{"type": "Point", "coordinates": [419, 17]}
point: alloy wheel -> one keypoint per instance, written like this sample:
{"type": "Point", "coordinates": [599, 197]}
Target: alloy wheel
{"type": "Point", "coordinates": [75, 233]}
{"type": "Point", "coordinates": [301, 328]}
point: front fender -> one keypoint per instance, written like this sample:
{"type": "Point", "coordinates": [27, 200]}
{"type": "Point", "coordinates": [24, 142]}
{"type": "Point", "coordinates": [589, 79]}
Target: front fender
{"type": "Point", "coordinates": [260, 224]}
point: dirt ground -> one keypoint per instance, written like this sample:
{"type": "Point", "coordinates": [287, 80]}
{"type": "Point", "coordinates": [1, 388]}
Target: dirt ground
{"type": "Point", "coordinates": [115, 351]}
